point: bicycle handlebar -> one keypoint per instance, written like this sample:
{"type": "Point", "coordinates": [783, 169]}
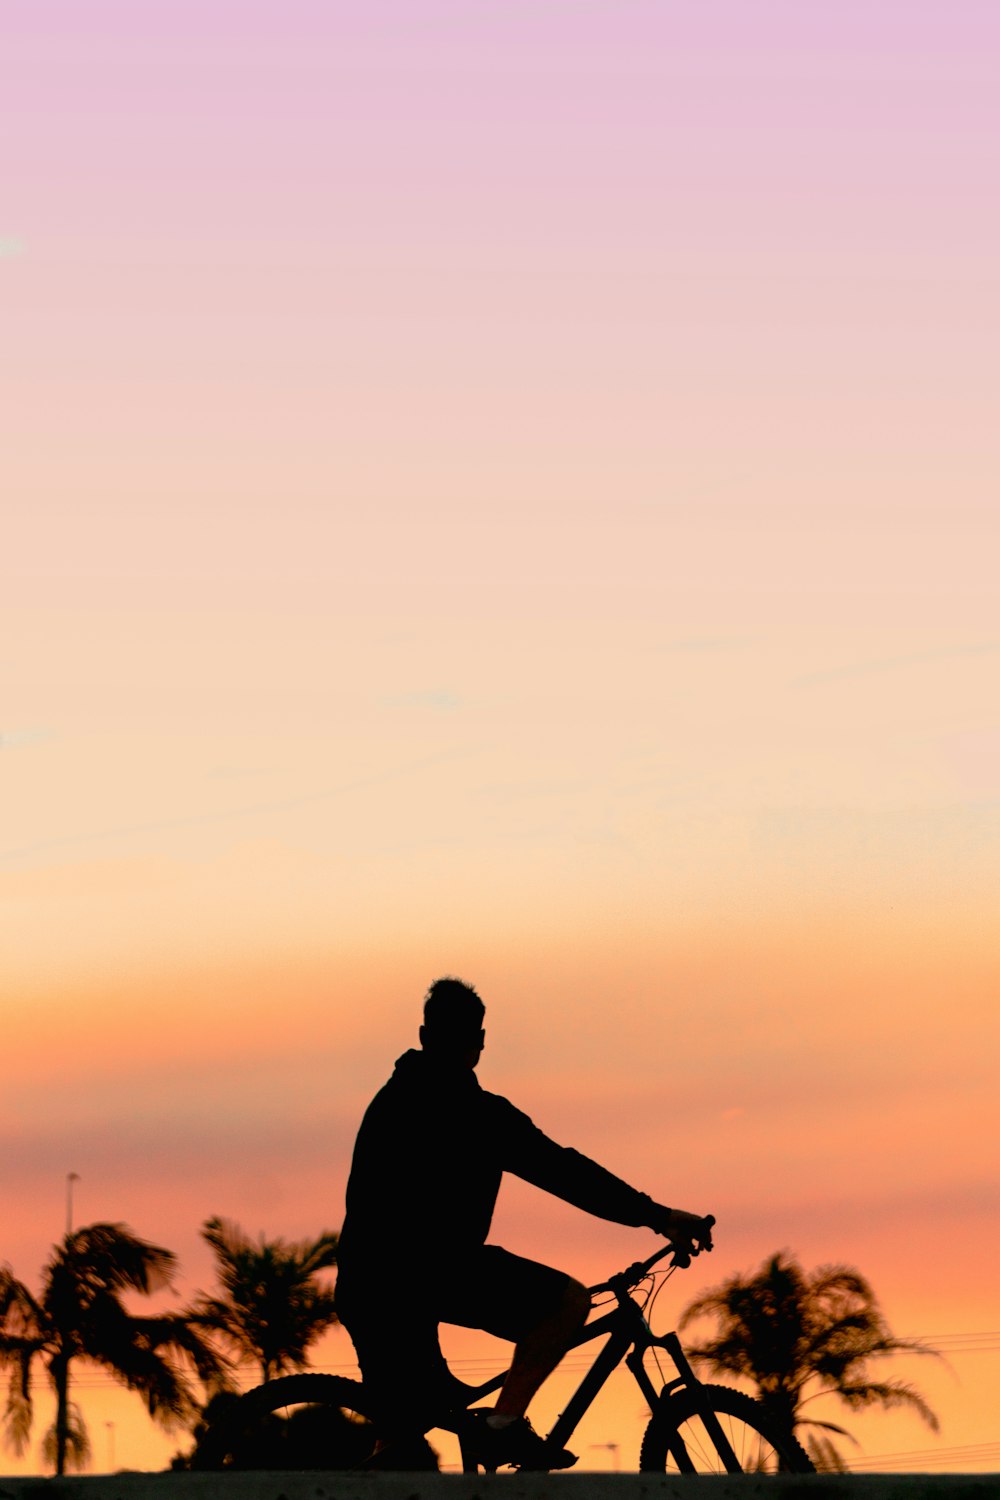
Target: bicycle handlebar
{"type": "Point", "coordinates": [624, 1281]}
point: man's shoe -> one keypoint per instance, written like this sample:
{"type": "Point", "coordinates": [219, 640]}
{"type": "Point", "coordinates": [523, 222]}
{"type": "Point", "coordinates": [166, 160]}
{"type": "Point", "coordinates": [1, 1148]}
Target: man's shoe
{"type": "Point", "coordinates": [517, 1444]}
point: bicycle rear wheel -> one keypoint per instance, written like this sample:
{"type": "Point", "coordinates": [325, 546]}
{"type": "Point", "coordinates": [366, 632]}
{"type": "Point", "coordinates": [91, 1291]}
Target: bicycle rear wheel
{"type": "Point", "coordinates": [677, 1441]}
{"type": "Point", "coordinates": [306, 1422]}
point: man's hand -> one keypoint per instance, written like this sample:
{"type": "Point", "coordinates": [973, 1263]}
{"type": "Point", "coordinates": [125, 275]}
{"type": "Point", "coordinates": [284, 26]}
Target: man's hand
{"type": "Point", "coordinates": [691, 1233]}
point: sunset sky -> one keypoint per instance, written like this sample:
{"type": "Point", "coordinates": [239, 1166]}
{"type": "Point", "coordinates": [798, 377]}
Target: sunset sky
{"type": "Point", "coordinates": [508, 489]}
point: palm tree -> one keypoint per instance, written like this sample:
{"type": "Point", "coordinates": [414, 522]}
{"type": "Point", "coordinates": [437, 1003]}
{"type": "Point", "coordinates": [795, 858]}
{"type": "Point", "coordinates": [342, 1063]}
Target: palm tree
{"type": "Point", "coordinates": [798, 1336]}
{"type": "Point", "coordinates": [80, 1314]}
{"type": "Point", "coordinates": [271, 1306]}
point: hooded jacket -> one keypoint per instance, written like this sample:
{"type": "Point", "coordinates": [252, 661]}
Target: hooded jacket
{"type": "Point", "coordinates": [430, 1154]}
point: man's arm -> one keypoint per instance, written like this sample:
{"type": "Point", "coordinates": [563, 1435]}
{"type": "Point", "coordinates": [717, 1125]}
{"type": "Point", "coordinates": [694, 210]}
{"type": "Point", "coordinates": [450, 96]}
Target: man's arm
{"type": "Point", "coordinates": [529, 1153]}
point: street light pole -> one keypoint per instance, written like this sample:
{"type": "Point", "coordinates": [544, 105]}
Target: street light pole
{"type": "Point", "coordinates": [71, 1177]}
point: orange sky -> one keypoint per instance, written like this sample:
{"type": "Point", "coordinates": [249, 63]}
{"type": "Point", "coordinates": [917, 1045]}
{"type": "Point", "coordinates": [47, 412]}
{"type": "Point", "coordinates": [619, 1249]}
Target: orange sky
{"type": "Point", "coordinates": [507, 494]}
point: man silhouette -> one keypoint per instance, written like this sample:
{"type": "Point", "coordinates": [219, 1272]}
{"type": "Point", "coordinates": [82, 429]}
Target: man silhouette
{"type": "Point", "coordinates": [428, 1161]}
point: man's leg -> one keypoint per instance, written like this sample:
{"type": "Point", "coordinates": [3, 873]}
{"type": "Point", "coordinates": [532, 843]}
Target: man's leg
{"type": "Point", "coordinates": [405, 1377]}
{"type": "Point", "coordinates": [540, 1311]}
{"type": "Point", "coordinates": [538, 1351]}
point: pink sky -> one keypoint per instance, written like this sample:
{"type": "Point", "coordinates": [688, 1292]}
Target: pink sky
{"type": "Point", "coordinates": [508, 490]}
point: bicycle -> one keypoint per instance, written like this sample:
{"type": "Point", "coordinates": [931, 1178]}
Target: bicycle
{"type": "Point", "coordinates": [693, 1428]}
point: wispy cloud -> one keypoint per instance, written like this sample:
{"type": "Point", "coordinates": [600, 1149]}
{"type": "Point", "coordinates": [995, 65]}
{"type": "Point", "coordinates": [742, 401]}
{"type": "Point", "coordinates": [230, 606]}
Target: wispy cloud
{"type": "Point", "coordinates": [16, 739]}
{"type": "Point", "coordinates": [233, 814]}
{"type": "Point", "coordinates": [438, 700]}
{"type": "Point", "coordinates": [240, 773]}
{"type": "Point", "coordinates": [696, 644]}
{"type": "Point", "coordinates": [893, 663]}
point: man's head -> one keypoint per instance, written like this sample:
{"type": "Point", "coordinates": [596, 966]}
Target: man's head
{"type": "Point", "coordinates": [453, 1022]}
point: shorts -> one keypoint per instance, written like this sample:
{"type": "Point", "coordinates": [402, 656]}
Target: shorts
{"type": "Point", "coordinates": [394, 1327]}
{"type": "Point", "coordinates": [503, 1294]}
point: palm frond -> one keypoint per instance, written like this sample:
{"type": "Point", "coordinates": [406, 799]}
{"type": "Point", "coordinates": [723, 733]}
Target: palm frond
{"type": "Point", "coordinates": [17, 1414]}
{"type": "Point", "coordinates": [77, 1441]}
{"type": "Point", "coordinates": [827, 1427]}
{"type": "Point", "coordinates": [887, 1394]}
{"type": "Point", "coordinates": [20, 1315]}
{"type": "Point", "coordinates": [110, 1258]}
{"type": "Point", "coordinates": [318, 1255]}
{"type": "Point", "coordinates": [168, 1395]}
{"type": "Point", "coordinates": [825, 1455]}
{"type": "Point", "coordinates": [22, 1337]}
{"type": "Point", "coordinates": [178, 1334]}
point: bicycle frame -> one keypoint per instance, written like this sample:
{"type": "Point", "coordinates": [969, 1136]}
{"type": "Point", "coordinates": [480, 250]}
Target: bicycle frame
{"type": "Point", "coordinates": [629, 1337]}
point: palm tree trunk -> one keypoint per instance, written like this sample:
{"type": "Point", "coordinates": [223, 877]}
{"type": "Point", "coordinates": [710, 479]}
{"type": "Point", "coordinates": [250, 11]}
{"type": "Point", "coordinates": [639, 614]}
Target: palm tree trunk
{"type": "Point", "coordinates": [782, 1407]}
{"type": "Point", "coordinates": [60, 1379]}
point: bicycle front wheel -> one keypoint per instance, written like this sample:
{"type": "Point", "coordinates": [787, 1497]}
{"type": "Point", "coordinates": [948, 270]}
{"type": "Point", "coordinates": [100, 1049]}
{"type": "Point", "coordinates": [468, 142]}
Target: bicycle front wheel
{"type": "Point", "coordinates": [305, 1422]}
{"type": "Point", "coordinates": [678, 1442]}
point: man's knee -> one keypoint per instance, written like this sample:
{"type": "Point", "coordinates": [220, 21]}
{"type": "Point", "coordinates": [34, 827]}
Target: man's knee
{"type": "Point", "coordinates": [576, 1303]}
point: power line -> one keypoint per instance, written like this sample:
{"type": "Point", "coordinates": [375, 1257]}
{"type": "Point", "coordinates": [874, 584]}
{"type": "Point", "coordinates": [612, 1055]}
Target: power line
{"type": "Point", "coordinates": [932, 1458]}
{"type": "Point", "coordinates": [959, 1343]}
{"type": "Point", "coordinates": [485, 1367]}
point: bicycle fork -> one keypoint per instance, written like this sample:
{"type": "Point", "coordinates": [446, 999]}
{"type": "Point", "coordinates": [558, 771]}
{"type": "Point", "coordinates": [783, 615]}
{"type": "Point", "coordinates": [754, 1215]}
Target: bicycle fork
{"type": "Point", "coordinates": [686, 1379]}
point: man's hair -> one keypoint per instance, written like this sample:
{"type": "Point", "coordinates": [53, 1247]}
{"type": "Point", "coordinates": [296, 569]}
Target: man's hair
{"type": "Point", "coordinates": [453, 1010]}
